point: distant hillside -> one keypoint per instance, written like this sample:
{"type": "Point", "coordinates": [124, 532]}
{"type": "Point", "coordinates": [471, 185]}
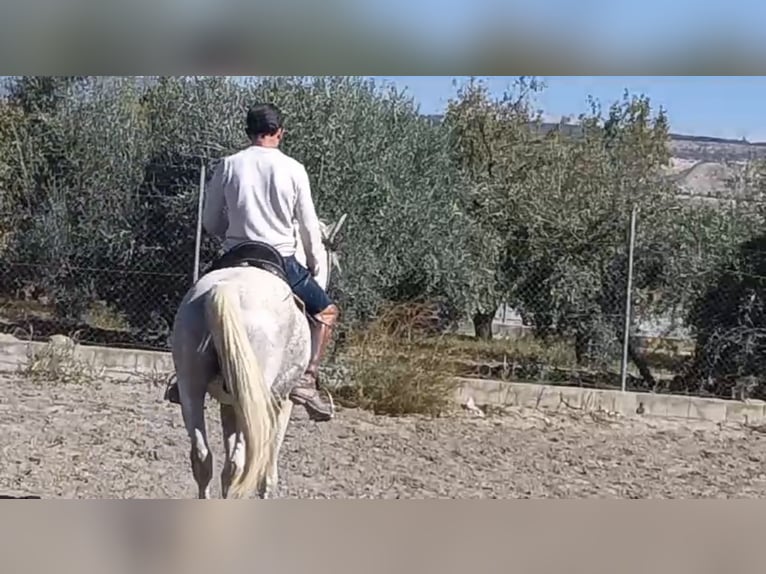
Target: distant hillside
{"type": "Point", "coordinates": [703, 166]}
{"type": "Point", "coordinates": [683, 146]}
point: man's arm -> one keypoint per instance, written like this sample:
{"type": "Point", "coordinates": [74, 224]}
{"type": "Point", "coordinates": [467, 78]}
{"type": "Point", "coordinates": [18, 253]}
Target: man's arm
{"type": "Point", "coordinates": [308, 224]}
{"type": "Point", "coordinates": [214, 218]}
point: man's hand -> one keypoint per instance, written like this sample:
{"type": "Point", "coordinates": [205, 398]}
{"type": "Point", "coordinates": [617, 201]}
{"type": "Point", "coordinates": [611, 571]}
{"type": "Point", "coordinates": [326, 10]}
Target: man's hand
{"type": "Point", "coordinates": [320, 272]}
{"type": "Point", "coordinates": [314, 267]}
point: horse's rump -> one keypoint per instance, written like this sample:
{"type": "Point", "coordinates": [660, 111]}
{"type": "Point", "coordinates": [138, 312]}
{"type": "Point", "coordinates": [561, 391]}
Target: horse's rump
{"type": "Point", "coordinates": [276, 327]}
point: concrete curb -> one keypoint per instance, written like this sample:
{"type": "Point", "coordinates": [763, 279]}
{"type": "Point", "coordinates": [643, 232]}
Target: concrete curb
{"type": "Point", "coordinates": [114, 361]}
{"type": "Point", "coordinates": [126, 363]}
{"type": "Point", "coordinates": [500, 393]}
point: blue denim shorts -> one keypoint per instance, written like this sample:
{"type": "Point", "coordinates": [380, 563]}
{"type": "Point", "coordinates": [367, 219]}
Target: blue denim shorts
{"type": "Point", "coordinates": [306, 287]}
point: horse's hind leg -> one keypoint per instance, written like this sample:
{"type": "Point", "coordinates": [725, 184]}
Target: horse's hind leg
{"type": "Point", "coordinates": [268, 487]}
{"type": "Point", "coordinates": [193, 411]}
{"type": "Point", "coordinates": [234, 448]}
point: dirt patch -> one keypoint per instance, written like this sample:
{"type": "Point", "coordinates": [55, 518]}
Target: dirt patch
{"type": "Point", "coordinates": [120, 440]}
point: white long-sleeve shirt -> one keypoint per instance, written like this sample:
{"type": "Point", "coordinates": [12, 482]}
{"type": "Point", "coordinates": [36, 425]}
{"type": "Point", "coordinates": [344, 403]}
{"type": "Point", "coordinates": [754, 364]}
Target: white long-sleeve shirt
{"type": "Point", "coordinates": [261, 194]}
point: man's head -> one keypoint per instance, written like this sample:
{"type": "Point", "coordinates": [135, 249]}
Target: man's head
{"type": "Point", "coordinates": [264, 125]}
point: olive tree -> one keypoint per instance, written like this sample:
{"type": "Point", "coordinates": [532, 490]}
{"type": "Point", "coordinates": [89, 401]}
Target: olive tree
{"type": "Point", "coordinates": [109, 170]}
{"type": "Point", "coordinates": [496, 151]}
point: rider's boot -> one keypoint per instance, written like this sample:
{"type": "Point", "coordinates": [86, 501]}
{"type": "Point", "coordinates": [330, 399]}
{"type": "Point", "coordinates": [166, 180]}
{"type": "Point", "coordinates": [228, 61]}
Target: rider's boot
{"type": "Point", "coordinates": [307, 392]}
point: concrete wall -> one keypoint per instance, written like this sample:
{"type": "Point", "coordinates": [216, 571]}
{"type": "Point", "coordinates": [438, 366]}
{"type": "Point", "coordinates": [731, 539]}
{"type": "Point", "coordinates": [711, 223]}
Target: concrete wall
{"type": "Point", "coordinates": [126, 363]}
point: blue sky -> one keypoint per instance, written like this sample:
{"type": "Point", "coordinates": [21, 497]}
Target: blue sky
{"type": "Point", "coordinates": [611, 27]}
{"type": "Point", "coordinates": [722, 106]}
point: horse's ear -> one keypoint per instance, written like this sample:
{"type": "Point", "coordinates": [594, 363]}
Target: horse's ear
{"type": "Point", "coordinates": [335, 229]}
{"type": "Point", "coordinates": [335, 262]}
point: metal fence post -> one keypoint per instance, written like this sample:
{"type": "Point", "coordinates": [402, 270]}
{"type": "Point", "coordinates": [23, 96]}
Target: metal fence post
{"type": "Point", "coordinates": [198, 238]}
{"type": "Point", "coordinates": [628, 298]}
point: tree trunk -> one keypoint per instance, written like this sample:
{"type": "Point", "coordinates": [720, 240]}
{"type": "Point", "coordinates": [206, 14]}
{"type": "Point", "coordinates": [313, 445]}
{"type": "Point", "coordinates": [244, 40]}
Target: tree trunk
{"type": "Point", "coordinates": [581, 348]}
{"type": "Point", "coordinates": [482, 325]}
{"type": "Point", "coordinates": [642, 366]}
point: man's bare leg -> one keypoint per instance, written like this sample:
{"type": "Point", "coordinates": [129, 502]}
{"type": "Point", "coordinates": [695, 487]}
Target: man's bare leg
{"type": "Point", "coordinates": [306, 392]}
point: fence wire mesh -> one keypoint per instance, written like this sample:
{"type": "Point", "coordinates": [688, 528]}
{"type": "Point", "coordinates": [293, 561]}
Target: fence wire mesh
{"type": "Point", "coordinates": [567, 327]}
{"type": "Point", "coordinates": [702, 333]}
{"type": "Point", "coordinates": [98, 217]}
{"type": "Point", "coordinates": [115, 277]}
{"type": "Point", "coordinates": [110, 269]}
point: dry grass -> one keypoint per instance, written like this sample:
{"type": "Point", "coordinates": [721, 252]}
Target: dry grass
{"type": "Point", "coordinates": [392, 372]}
{"type": "Point", "coordinates": [102, 316]}
{"type": "Point", "coordinates": [22, 310]}
{"type": "Point", "coordinates": [57, 361]}
{"type": "Point", "coordinates": [99, 314]}
{"type": "Point", "coordinates": [397, 365]}
{"type": "Point", "coordinates": [526, 348]}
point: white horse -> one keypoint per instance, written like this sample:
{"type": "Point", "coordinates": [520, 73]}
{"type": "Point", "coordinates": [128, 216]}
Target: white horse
{"type": "Point", "coordinates": [242, 325]}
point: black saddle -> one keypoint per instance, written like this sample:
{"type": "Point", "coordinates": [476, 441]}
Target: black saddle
{"type": "Point", "coordinates": [252, 254]}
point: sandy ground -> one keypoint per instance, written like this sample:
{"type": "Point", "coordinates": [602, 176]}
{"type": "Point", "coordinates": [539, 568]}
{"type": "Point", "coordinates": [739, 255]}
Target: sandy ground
{"type": "Point", "coordinates": [120, 440]}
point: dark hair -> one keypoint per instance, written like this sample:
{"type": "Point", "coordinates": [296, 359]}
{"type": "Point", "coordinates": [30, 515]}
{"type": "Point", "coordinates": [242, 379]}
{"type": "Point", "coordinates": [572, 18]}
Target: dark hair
{"type": "Point", "coordinates": [263, 120]}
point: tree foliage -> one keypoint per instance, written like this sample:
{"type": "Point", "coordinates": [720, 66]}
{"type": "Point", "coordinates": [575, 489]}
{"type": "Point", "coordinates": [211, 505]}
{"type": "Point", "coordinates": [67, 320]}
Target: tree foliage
{"type": "Point", "coordinates": [552, 208]}
{"type": "Point", "coordinates": [496, 152]}
{"type": "Point", "coordinates": [99, 179]}
{"type": "Point", "coordinates": [107, 170]}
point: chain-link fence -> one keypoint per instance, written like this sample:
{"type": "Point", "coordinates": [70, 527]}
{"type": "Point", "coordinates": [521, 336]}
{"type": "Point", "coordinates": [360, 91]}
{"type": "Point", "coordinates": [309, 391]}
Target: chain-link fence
{"type": "Point", "coordinates": [102, 266]}
{"type": "Point", "coordinates": [111, 270]}
{"type": "Point", "coordinates": [109, 267]}
{"type": "Point", "coordinates": [99, 193]}
{"type": "Point", "coordinates": [696, 322]}
{"type": "Point", "coordinates": [564, 325]}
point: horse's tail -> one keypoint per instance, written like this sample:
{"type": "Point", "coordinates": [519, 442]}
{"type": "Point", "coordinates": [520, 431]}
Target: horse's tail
{"type": "Point", "coordinates": [253, 401]}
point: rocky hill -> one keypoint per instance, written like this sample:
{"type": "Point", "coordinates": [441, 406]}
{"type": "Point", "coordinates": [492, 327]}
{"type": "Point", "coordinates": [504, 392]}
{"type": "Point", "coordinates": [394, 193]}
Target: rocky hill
{"type": "Point", "coordinates": [709, 149]}
{"type": "Point", "coordinates": [703, 167]}
{"type": "Point", "coordinates": [706, 167]}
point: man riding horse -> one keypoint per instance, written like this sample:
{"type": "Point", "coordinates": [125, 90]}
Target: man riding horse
{"type": "Point", "coordinates": [261, 194]}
